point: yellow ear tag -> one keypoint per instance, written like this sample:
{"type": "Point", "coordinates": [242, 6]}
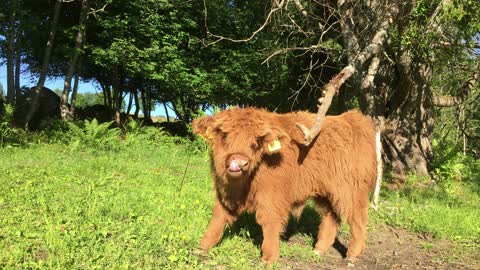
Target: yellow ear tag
{"type": "Point", "coordinates": [274, 146]}
{"type": "Point", "coordinates": [208, 134]}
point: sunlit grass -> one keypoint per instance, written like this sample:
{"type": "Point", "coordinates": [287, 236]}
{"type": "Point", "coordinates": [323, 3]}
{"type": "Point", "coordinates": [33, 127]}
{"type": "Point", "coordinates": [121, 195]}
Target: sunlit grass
{"type": "Point", "coordinates": [446, 216]}
{"type": "Point", "coordinates": [142, 207]}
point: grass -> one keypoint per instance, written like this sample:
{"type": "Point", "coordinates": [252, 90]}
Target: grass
{"type": "Point", "coordinates": [453, 217]}
{"type": "Point", "coordinates": [138, 207]}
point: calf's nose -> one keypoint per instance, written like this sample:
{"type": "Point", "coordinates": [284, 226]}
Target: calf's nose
{"type": "Point", "coordinates": [237, 162]}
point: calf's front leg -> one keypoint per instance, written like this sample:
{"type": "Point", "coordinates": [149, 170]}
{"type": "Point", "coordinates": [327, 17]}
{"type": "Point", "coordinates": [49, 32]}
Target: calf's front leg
{"type": "Point", "coordinates": [214, 232]}
{"type": "Point", "coordinates": [272, 226]}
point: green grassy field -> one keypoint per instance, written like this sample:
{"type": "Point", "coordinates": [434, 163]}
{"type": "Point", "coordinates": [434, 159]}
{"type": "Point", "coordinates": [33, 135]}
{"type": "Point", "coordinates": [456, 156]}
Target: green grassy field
{"type": "Point", "coordinates": [146, 206]}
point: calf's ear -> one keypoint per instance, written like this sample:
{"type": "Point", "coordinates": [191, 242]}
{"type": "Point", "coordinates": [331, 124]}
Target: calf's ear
{"type": "Point", "coordinates": [273, 140]}
{"type": "Point", "coordinates": [202, 126]}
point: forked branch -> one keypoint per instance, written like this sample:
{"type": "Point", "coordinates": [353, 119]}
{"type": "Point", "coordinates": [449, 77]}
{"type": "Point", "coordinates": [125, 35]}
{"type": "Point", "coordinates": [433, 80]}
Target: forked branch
{"type": "Point", "coordinates": [464, 91]}
{"type": "Point", "coordinates": [324, 102]}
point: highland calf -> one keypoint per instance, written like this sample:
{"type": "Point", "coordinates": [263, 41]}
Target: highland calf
{"type": "Point", "coordinates": [260, 166]}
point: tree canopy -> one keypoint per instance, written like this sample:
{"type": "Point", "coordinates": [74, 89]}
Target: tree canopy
{"type": "Point", "coordinates": [410, 63]}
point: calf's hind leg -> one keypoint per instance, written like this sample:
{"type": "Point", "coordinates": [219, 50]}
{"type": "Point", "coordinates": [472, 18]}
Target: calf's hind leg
{"type": "Point", "coordinates": [358, 228]}
{"type": "Point", "coordinates": [328, 228]}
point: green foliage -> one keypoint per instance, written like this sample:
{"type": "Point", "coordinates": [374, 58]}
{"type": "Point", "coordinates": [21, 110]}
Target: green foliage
{"type": "Point", "coordinates": [6, 132]}
{"type": "Point", "coordinates": [454, 169]}
{"type": "Point", "coordinates": [92, 135]}
{"type": "Point", "coordinates": [135, 133]}
{"type": "Point", "coordinates": [88, 99]}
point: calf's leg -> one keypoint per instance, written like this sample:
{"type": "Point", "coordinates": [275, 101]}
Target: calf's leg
{"type": "Point", "coordinates": [358, 228]}
{"type": "Point", "coordinates": [328, 228]}
{"type": "Point", "coordinates": [272, 226]}
{"type": "Point", "coordinates": [214, 232]}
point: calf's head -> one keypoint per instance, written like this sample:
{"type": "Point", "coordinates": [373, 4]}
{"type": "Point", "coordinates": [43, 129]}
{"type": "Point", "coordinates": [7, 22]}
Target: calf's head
{"type": "Point", "coordinates": [239, 139]}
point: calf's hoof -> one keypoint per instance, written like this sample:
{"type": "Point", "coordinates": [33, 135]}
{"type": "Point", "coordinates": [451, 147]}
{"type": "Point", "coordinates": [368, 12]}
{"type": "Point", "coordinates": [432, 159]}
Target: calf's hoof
{"type": "Point", "coordinates": [353, 254]}
{"type": "Point", "coordinates": [320, 251]}
{"type": "Point", "coordinates": [268, 263]}
{"type": "Point", "coordinates": [351, 261]}
{"type": "Point", "coordinates": [201, 252]}
{"type": "Point", "coordinates": [269, 260]}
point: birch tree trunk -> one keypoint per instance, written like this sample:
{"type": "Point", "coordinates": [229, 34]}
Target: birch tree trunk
{"type": "Point", "coordinates": [130, 101]}
{"type": "Point", "coordinates": [46, 59]}
{"type": "Point", "coordinates": [18, 61]}
{"type": "Point", "coordinates": [11, 53]}
{"type": "Point", "coordinates": [64, 110]}
{"type": "Point", "coordinates": [73, 102]}
{"type": "Point", "coordinates": [137, 105]}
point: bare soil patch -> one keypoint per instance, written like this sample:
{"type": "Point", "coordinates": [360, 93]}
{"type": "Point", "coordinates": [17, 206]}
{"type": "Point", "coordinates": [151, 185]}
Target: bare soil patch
{"type": "Point", "coordinates": [393, 248]}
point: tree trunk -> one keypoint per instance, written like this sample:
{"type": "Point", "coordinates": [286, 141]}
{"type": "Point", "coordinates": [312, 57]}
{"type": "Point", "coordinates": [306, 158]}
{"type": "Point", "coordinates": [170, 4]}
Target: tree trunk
{"type": "Point", "coordinates": [64, 110]}
{"type": "Point", "coordinates": [166, 111]}
{"type": "Point", "coordinates": [46, 59]}
{"type": "Point", "coordinates": [137, 105]}
{"type": "Point", "coordinates": [130, 101]}
{"type": "Point", "coordinates": [73, 101]}
{"type": "Point", "coordinates": [11, 53]}
{"type": "Point", "coordinates": [117, 96]}
{"type": "Point", "coordinates": [395, 93]}
{"type": "Point", "coordinates": [107, 94]}
{"type": "Point", "coordinates": [409, 123]}
{"type": "Point", "coordinates": [145, 106]}
{"type": "Point", "coordinates": [18, 62]}
{"type": "Point", "coordinates": [149, 105]}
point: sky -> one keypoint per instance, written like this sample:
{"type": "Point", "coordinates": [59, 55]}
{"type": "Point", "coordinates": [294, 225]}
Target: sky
{"type": "Point", "coordinates": [26, 79]}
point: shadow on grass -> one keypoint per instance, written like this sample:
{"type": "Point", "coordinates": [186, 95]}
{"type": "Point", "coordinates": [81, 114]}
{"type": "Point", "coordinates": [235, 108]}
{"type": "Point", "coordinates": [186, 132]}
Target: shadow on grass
{"type": "Point", "coordinates": [246, 226]}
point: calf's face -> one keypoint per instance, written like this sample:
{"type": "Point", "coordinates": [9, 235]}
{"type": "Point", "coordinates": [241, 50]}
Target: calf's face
{"type": "Point", "coordinates": [239, 141]}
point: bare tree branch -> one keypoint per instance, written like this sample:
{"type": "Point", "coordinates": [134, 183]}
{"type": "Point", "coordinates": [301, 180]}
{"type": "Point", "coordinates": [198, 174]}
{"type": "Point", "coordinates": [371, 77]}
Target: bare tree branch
{"type": "Point", "coordinates": [372, 71]}
{"type": "Point", "coordinates": [278, 5]}
{"type": "Point", "coordinates": [300, 7]}
{"type": "Point", "coordinates": [313, 48]}
{"type": "Point", "coordinates": [450, 101]}
{"type": "Point", "coordinates": [95, 11]}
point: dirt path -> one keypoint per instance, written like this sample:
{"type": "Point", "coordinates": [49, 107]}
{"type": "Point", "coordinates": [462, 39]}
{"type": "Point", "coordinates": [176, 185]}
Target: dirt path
{"type": "Point", "coordinates": [390, 248]}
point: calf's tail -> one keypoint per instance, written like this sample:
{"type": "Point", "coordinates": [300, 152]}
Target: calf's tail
{"type": "Point", "coordinates": [378, 183]}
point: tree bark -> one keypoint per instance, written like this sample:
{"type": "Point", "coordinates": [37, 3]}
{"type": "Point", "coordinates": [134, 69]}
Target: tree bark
{"type": "Point", "coordinates": [145, 106]}
{"type": "Point", "coordinates": [18, 62]}
{"type": "Point", "coordinates": [130, 101]}
{"type": "Point", "coordinates": [166, 111]}
{"type": "Point", "coordinates": [46, 59]}
{"type": "Point", "coordinates": [107, 94]}
{"type": "Point", "coordinates": [409, 121]}
{"type": "Point", "coordinates": [64, 110]}
{"type": "Point", "coordinates": [117, 96]}
{"type": "Point", "coordinates": [137, 105]}
{"type": "Point", "coordinates": [73, 101]}
{"type": "Point", "coordinates": [11, 53]}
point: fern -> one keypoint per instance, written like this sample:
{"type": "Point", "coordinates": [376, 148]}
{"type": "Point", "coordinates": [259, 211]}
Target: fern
{"type": "Point", "coordinates": [6, 132]}
{"type": "Point", "coordinates": [91, 134]}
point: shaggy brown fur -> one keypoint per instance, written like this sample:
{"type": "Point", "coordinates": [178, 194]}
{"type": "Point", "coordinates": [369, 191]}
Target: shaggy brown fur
{"type": "Point", "coordinates": [338, 171]}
